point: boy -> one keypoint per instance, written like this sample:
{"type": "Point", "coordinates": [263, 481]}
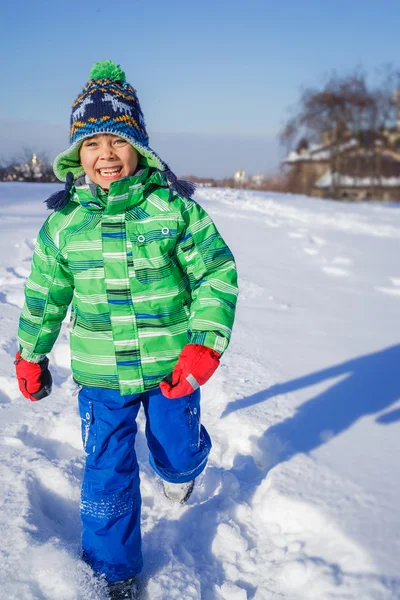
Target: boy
{"type": "Point", "coordinates": [153, 289]}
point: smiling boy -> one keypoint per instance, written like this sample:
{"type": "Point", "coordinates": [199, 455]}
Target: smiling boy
{"type": "Point", "coordinates": [106, 158]}
{"type": "Point", "coordinates": [153, 289]}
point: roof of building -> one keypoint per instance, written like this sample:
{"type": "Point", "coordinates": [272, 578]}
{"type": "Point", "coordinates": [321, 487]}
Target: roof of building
{"type": "Point", "coordinates": [318, 152]}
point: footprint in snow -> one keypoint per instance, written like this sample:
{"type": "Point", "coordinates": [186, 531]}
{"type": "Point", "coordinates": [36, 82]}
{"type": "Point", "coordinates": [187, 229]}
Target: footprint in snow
{"type": "Point", "coordinates": [272, 223]}
{"type": "Point", "coordinates": [4, 399]}
{"type": "Point", "coordinates": [3, 298]}
{"type": "Point", "coordinates": [8, 390]}
{"type": "Point", "coordinates": [12, 441]}
{"type": "Point", "coordinates": [249, 290]}
{"type": "Point", "coordinates": [301, 234]}
{"type": "Point", "coordinates": [338, 267]}
{"type": "Point", "coordinates": [12, 283]}
{"type": "Point", "coordinates": [14, 298]}
{"type": "Point", "coordinates": [342, 260]}
{"type": "Point", "coordinates": [279, 303]}
{"type": "Point", "coordinates": [28, 245]}
{"type": "Point", "coordinates": [19, 273]}
{"type": "Point", "coordinates": [52, 514]}
{"type": "Point", "coordinates": [10, 277]}
{"type": "Point", "coordinates": [296, 235]}
{"type": "Point", "coordinates": [23, 253]}
{"type": "Point", "coordinates": [315, 244]}
{"type": "Point", "coordinates": [52, 449]}
{"type": "Point", "coordinates": [10, 347]}
{"type": "Point", "coordinates": [391, 291]}
{"type": "Point", "coordinates": [315, 240]}
{"type": "Point", "coordinates": [335, 271]}
{"type": "Point", "coordinates": [311, 251]}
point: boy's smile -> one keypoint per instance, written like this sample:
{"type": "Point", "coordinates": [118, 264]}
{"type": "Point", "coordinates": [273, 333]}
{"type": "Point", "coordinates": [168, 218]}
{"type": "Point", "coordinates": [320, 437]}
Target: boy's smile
{"type": "Point", "coordinates": [106, 158]}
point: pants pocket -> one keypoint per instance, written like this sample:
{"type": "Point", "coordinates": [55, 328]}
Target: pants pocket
{"type": "Point", "coordinates": [193, 410]}
{"type": "Point", "coordinates": [88, 428]}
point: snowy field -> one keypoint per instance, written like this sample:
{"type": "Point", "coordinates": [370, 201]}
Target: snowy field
{"type": "Point", "coordinates": [301, 496]}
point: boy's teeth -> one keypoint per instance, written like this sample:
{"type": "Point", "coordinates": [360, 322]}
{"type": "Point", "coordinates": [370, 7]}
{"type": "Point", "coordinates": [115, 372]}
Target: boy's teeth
{"type": "Point", "coordinates": [110, 171]}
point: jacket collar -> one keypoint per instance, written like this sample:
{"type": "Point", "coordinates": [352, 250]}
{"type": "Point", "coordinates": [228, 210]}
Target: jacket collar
{"type": "Point", "coordinates": [124, 193]}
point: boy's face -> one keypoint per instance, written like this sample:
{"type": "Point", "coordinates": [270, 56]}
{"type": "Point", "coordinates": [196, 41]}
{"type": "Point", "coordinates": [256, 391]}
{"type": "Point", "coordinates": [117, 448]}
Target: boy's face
{"type": "Point", "coordinates": [106, 158]}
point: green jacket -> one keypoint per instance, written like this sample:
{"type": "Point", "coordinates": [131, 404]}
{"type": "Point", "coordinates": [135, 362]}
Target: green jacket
{"type": "Point", "coordinates": [145, 276]}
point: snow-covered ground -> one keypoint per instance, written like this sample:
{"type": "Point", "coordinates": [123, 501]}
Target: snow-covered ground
{"type": "Point", "coordinates": [301, 496]}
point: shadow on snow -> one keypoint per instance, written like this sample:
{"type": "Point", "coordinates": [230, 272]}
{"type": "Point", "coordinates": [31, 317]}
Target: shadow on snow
{"type": "Point", "coordinates": [368, 385]}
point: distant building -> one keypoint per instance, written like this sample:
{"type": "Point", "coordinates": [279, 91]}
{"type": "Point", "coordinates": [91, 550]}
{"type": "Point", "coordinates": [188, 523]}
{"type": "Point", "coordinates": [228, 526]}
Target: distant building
{"type": "Point", "coordinates": [257, 180]}
{"type": "Point", "coordinates": [33, 169]}
{"type": "Point", "coordinates": [360, 167]}
{"type": "Point", "coordinates": [240, 177]}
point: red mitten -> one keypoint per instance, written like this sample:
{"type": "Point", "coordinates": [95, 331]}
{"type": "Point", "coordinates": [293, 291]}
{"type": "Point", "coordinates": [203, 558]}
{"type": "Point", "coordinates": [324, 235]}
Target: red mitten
{"type": "Point", "coordinates": [195, 366]}
{"type": "Point", "coordinates": [34, 379]}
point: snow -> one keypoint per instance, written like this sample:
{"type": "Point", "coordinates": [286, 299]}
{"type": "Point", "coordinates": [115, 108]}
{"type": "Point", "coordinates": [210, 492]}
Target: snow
{"type": "Point", "coordinates": [318, 152]}
{"type": "Point", "coordinates": [300, 498]}
{"type": "Point", "coordinates": [325, 181]}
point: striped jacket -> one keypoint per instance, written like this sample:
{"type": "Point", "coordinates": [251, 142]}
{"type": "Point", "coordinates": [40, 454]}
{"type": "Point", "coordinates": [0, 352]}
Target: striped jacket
{"type": "Point", "coordinates": [145, 276]}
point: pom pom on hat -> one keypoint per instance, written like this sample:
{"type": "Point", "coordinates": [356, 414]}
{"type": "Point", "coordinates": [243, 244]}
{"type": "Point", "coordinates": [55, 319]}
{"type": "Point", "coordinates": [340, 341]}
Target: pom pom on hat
{"type": "Point", "coordinates": [107, 69]}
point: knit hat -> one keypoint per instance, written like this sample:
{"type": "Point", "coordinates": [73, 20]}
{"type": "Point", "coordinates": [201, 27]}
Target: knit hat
{"type": "Point", "coordinates": [108, 104]}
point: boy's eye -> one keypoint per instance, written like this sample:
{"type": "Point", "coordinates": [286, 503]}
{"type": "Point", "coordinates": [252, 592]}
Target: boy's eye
{"type": "Point", "coordinates": [120, 142]}
{"type": "Point", "coordinates": [90, 144]}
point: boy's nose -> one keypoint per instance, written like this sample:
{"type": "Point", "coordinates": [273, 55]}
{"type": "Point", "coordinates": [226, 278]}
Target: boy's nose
{"type": "Point", "coordinates": [107, 152]}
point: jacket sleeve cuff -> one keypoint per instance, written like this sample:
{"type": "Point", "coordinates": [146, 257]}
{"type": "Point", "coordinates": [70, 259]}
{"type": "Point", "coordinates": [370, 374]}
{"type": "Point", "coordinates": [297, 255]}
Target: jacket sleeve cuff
{"type": "Point", "coordinates": [211, 339]}
{"type": "Point", "coordinates": [31, 357]}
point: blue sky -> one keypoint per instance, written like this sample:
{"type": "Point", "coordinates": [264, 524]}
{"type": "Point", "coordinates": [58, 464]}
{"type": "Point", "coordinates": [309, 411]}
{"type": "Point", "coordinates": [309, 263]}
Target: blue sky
{"type": "Point", "coordinates": [221, 69]}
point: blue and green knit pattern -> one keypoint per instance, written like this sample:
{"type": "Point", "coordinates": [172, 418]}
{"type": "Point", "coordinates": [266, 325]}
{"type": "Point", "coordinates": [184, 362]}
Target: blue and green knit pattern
{"type": "Point", "coordinates": [145, 276]}
{"type": "Point", "coordinates": [107, 106]}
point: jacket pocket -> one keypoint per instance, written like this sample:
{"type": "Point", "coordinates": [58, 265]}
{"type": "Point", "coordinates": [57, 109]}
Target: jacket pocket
{"type": "Point", "coordinates": [72, 318]}
{"type": "Point", "coordinates": [153, 251]}
{"type": "Point", "coordinates": [186, 307]}
{"type": "Point", "coordinates": [162, 232]}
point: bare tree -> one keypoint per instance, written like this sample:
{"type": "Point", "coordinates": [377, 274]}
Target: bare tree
{"type": "Point", "coordinates": [344, 109]}
{"type": "Point", "coordinates": [387, 96]}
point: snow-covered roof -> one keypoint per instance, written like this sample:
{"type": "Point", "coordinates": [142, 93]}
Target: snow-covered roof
{"type": "Point", "coordinates": [325, 181]}
{"type": "Point", "coordinates": [318, 152]}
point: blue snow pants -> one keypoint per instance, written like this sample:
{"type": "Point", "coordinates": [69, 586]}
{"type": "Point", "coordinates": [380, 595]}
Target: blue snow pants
{"type": "Point", "coordinates": [110, 504]}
